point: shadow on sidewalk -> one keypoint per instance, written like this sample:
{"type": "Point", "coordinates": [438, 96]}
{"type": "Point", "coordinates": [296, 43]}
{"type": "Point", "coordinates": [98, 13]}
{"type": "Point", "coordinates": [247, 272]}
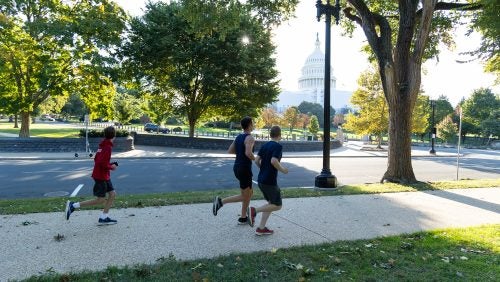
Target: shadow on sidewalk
{"type": "Point", "coordinates": [485, 205]}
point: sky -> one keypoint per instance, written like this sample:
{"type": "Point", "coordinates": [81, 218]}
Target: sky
{"type": "Point", "coordinates": [295, 41]}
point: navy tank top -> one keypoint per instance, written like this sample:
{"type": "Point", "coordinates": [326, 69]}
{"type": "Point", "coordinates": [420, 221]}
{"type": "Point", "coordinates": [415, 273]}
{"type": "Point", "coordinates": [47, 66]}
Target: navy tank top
{"type": "Point", "coordinates": [241, 158]}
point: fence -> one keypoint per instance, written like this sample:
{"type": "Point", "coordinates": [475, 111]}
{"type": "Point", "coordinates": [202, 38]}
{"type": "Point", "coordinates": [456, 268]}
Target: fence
{"type": "Point", "coordinates": [200, 133]}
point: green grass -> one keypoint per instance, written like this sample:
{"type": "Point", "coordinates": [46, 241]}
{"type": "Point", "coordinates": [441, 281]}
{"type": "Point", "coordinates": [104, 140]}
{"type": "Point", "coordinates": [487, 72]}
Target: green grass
{"type": "Point", "coordinates": [462, 254]}
{"type": "Point", "coordinates": [21, 206]}
{"type": "Point", "coordinates": [42, 130]}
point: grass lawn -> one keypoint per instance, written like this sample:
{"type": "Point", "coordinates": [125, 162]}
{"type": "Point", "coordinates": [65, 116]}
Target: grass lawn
{"type": "Point", "coordinates": [465, 254]}
{"type": "Point", "coordinates": [20, 206]}
{"type": "Point", "coordinates": [42, 130]}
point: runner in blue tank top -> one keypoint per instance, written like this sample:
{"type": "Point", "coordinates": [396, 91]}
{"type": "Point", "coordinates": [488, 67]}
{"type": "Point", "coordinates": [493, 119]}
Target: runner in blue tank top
{"type": "Point", "coordinates": [242, 146]}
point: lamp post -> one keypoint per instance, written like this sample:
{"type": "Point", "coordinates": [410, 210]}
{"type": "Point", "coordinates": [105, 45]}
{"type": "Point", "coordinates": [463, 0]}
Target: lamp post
{"type": "Point", "coordinates": [326, 179]}
{"type": "Point", "coordinates": [433, 129]}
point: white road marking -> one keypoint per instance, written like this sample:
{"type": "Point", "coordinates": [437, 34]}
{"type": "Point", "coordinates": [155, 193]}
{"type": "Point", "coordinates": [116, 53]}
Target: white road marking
{"type": "Point", "coordinates": [254, 181]}
{"type": "Point", "coordinates": [76, 190]}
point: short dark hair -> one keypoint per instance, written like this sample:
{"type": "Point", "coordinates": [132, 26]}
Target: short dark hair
{"type": "Point", "coordinates": [275, 131]}
{"type": "Point", "coordinates": [109, 132]}
{"type": "Point", "coordinates": [245, 122]}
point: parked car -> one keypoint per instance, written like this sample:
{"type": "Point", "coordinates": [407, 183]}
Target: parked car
{"type": "Point", "coordinates": [151, 127]}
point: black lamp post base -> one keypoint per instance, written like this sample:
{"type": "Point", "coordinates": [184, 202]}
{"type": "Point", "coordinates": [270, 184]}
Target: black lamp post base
{"type": "Point", "coordinates": [325, 181]}
{"type": "Point", "coordinates": [432, 152]}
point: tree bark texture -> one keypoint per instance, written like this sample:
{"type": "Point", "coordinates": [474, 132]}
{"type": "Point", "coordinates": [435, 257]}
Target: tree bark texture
{"type": "Point", "coordinates": [24, 132]}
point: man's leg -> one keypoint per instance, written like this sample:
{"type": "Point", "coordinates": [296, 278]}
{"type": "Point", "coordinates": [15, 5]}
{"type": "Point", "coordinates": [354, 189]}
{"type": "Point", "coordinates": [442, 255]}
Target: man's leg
{"type": "Point", "coordinates": [266, 211]}
{"type": "Point", "coordinates": [96, 201]}
{"type": "Point", "coordinates": [109, 201]}
{"type": "Point", "coordinates": [247, 194]}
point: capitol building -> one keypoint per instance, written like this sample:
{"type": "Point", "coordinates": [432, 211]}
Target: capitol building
{"type": "Point", "coordinates": [311, 85]}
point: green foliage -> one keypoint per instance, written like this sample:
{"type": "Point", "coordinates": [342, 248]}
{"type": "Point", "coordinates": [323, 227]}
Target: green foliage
{"type": "Point", "coordinates": [373, 114]}
{"type": "Point", "coordinates": [314, 125]}
{"type": "Point", "coordinates": [491, 125]}
{"type": "Point", "coordinates": [49, 48]}
{"type": "Point", "coordinates": [201, 64]}
{"type": "Point", "coordinates": [127, 107]}
{"type": "Point", "coordinates": [487, 22]}
{"type": "Point", "coordinates": [74, 106]}
{"type": "Point", "coordinates": [447, 129]}
{"type": "Point", "coordinates": [316, 110]}
{"type": "Point", "coordinates": [93, 133]}
{"type": "Point", "coordinates": [443, 108]}
{"type": "Point", "coordinates": [479, 107]}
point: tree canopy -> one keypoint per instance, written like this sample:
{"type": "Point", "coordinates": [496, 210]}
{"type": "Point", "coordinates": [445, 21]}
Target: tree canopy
{"type": "Point", "coordinates": [49, 47]}
{"type": "Point", "coordinates": [209, 59]}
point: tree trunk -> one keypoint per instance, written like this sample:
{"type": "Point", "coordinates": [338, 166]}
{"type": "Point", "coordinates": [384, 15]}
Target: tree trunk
{"type": "Point", "coordinates": [192, 124]}
{"type": "Point", "coordinates": [25, 125]}
{"type": "Point", "coordinates": [379, 145]}
{"type": "Point", "coordinates": [399, 167]}
{"type": "Point", "coordinates": [16, 123]}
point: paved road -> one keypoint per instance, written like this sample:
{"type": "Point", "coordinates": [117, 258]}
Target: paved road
{"type": "Point", "coordinates": [36, 178]}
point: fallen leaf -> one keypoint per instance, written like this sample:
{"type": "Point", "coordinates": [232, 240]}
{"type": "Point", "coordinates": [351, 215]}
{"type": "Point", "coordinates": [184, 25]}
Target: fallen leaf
{"type": "Point", "coordinates": [459, 274]}
{"type": "Point", "coordinates": [264, 273]}
{"type": "Point", "coordinates": [274, 250]}
{"type": "Point", "coordinates": [369, 245]}
{"type": "Point", "coordinates": [464, 258]}
{"type": "Point", "coordinates": [446, 259]}
{"type": "Point", "coordinates": [238, 258]}
{"type": "Point", "coordinates": [220, 265]}
{"type": "Point", "coordinates": [324, 269]}
{"type": "Point", "coordinates": [338, 271]}
{"type": "Point", "coordinates": [199, 265]}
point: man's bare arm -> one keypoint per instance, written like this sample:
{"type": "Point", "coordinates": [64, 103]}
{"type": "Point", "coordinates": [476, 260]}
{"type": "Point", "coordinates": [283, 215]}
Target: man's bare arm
{"type": "Point", "coordinates": [276, 163]}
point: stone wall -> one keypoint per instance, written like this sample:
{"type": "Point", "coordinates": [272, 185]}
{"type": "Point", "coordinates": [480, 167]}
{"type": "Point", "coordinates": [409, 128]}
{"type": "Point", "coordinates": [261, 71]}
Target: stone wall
{"type": "Point", "coordinates": [121, 144]}
{"type": "Point", "coordinates": [221, 144]}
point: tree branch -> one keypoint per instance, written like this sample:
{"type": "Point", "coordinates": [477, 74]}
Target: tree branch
{"type": "Point", "coordinates": [348, 13]}
{"type": "Point", "coordinates": [446, 6]}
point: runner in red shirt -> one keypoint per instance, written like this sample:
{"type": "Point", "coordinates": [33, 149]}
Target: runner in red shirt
{"type": "Point", "coordinates": [101, 176]}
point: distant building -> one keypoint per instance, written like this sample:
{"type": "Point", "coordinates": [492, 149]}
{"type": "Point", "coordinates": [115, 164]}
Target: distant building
{"type": "Point", "coordinates": [311, 85]}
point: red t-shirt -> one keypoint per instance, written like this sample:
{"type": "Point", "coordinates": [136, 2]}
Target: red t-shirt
{"type": "Point", "coordinates": [102, 159]}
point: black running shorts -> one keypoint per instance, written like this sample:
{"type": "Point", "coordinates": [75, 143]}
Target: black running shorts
{"type": "Point", "coordinates": [244, 175]}
{"type": "Point", "coordinates": [272, 193]}
{"type": "Point", "coordinates": [101, 187]}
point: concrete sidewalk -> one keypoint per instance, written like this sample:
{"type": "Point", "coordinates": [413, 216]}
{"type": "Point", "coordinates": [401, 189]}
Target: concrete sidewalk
{"type": "Point", "coordinates": [191, 231]}
{"type": "Point", "coordinates": [351, 149]}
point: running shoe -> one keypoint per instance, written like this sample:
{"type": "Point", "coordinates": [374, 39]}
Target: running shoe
{"type": "Point", "coordinates": [251, 213]}
{"type": "Point", "coordinates": [217, 204]}
{"type": "Point", "coordinates": [242, 220]}
{"type": "Point", "coordinates": [69, 209]}
{"type": "Point", "coordinates": [107, 221]}
{"type": "Point", "coordinates": [263, 231]}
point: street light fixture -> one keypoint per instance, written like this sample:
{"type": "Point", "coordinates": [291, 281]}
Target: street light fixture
{"type": "Point", "coordinates": [433, 129]}
{"type": "Point", "coordinates": [326, 179]}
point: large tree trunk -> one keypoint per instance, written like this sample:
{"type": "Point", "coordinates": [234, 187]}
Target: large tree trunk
{"type": "Point", "coordinates": [24, 132]}
{"type": "Point", "coordinates": [192, 124]}
{"type": "Point", "coordinates": [399, 167]}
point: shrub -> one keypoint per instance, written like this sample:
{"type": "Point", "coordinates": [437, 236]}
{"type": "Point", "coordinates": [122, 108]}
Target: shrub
{"type": "Point", "coordinates": [92, 133]}
{"type": "Point", "coordinates": [177, 129]}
